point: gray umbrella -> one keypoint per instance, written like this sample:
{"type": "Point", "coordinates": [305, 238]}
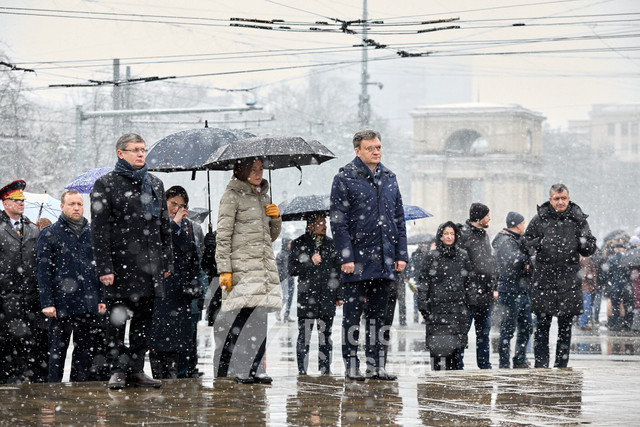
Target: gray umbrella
{"type": "Point", "coordinates": [276, 152]}
{"type": "Point", "coordinates": [302, 207]}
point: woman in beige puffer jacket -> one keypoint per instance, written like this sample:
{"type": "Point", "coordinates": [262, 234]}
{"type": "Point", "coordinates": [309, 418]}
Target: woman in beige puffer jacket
{"type": "Point", "coordinates": [247, 225]}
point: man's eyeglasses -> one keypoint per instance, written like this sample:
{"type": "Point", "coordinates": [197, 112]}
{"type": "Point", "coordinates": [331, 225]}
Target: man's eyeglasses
{"type": "Point", "coordinates": [17, 200]}
{"type": "Point", "coordinates": [136, 150]}
{"type": "Point", "coordinates": [374, 148]}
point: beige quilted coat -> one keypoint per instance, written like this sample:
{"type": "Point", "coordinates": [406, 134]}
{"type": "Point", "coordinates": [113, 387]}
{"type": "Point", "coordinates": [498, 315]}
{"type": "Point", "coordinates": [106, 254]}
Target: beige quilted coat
{"type": "Point", "coordinates": [243, 247]}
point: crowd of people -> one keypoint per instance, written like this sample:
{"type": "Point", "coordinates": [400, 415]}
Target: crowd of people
{"type": "Point", "coordinates": [142, 261]}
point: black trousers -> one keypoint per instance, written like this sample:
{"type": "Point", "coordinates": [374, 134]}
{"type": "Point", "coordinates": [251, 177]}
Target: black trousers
{"type": "Point", "coordinates": [541, 341]}
{"type": "Point", "coordinates": [129, 360]}
{"type": "Point", "coordinates": [87, 335]}
{"type": "Point", "coordinates": [325, 344]}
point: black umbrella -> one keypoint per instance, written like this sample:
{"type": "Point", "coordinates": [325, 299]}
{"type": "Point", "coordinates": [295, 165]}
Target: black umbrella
{"type": "Point", "coordinates": [188, 150]}
{"type": "Point", "coordinates": [276, 152]}
{"type": "Point", "coordinates": [302, 207]}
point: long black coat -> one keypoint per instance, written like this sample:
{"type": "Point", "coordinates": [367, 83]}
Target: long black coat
{"type": "Point", "coordinates": [136, 250]}
{"type": "Point", "coordinates": [512, 264]}
{"type": "Point", "coordinates": [318, 285]}
{"type": "Point", "coordinates": [19, 296]}
{"type": "Point", "coordinates": [171, 325]}
{"type": "Point", "coordinates": [444, 291]}
{"type": "Point", "coordinates": [557, 239]}
{"type": "Point", "coordinates": [476, 242]}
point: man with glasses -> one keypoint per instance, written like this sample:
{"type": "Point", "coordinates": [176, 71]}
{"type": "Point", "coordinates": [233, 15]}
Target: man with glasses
{"type": "Point", "coordinates": [132, 246]}
{"type": "Point", "coordinates": [23, 328]}
{"type": "Point", "coordinates": [367, 220]}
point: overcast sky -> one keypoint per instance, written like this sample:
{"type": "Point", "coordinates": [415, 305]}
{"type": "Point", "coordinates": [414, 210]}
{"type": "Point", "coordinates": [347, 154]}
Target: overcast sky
{"type": "Point", "coordinates": [555, 57]}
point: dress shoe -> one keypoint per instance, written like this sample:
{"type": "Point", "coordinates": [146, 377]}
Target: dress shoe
{"type": "Point", "coordinates": [379, 374]}
{"type": "Point", "coordinates": [143, 380]}
{"type": "Point", "coordinates": [117, 381]}
{"type": "Point", "coordinates": [245, 380]}
{"type": "Point", "coordinates": [262, 379]}
{"type": "Point", "coordinates": [302, 372]}
{"type": "Point", "coordinates": [521, 365]}
{"type": "Point", "coordinates": [355, 375]}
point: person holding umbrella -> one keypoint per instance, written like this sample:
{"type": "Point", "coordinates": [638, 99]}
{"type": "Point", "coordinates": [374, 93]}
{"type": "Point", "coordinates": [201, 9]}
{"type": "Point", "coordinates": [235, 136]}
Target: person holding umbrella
{"type": "Point", "coordinates": [248, 223]}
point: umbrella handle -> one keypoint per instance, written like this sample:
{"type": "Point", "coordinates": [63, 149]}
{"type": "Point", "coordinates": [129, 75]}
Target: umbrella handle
{"type": "Point", "coordinates": [270, 195]}
{"type": "Point", "coordinates": [209, 200]}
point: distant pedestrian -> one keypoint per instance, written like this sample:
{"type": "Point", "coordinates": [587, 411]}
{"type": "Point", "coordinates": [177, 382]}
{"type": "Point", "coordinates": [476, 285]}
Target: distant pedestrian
{"type": "Point", "coordinates": [589, 277]}
{"type": "Point", "coordinates": [132, 247]}
{"type": "Point", "coordinates": [70, 294]}
{"type": "Point", "coordinates": [367, 219]}
{"type": "Point", "coordinates": [287, 282]}
{"type": "Point", "coordinates": [475, 240]}
{"type": "Point", "coordinates": [314, 260]}
{"type": "Point", "coordinates": [444, 294]}
{"type": "Point", "coordinates": [557, 236]}
{"type": "Point", "coordinates": [23, 327]}
{"type": "Point", "coordinates": [248, 223]}
{"type": "Point", "coordinates": [513, 272]}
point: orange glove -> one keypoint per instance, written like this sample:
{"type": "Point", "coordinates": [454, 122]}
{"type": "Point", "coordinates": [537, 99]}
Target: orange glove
{"type": "Point", "coordinates": [272, 211]}
{"type": "Point", "coordinates": [226, 281]}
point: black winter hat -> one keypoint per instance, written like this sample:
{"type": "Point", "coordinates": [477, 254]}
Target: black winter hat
{"type": "Point", "coordinates": [477, 211]}
{"type": "Point", "coordinates": [513, 219]}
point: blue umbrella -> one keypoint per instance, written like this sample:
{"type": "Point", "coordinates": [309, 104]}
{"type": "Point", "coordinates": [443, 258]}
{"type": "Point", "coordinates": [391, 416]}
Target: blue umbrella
{"type": "Point", "coordinates": [84, 183]}
{"type": "Point", "coordinates": [414, 212]}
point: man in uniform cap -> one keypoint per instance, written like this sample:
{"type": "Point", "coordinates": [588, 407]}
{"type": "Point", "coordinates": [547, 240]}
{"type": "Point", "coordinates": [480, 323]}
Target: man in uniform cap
{"type": "Point", "coordinates": [23, 331]}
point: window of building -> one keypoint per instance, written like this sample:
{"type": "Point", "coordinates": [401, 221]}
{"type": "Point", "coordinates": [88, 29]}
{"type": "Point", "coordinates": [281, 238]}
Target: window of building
{"type": "Point", "coordinates": [634, 129]}
{"type": "Point", "coordinates": [624, 129]}
{"type": "Point", "coordinates": [611, 129]}
{"type": "Point", "coordinates": [634, 148]}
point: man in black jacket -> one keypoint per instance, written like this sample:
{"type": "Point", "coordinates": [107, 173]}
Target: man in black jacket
{"type": "Point", "coordinates": [23, 328]}
{"type": "Point", "coordinates": [313, 259]}
{"type": "Point", "coordinates": [557, 236]}
{"type": "Point", "coordinates": [513, 269]}
{"type": "Point", "coordinates": [475, 240]}
{"type": "Point", "coordinates": [70, 293]}
{"type": "Point", "coordinates": [132, 246]}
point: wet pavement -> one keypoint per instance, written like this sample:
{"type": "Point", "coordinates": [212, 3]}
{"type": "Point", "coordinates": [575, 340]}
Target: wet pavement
{"type": "Point", "coordinates": [600, 388]}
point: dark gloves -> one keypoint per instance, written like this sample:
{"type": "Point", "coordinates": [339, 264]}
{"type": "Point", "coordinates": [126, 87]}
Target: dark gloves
{"type": "Point", "coordinates": [210, 239]}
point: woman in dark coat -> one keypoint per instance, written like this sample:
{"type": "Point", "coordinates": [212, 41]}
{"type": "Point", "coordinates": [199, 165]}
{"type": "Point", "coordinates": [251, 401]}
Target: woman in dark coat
{"type": "Point", "coordinates": [171, 329]}
{"type": "Point", "coordinates": [444, 291]}
{"type": "Point", "coordinates": [313, 259]}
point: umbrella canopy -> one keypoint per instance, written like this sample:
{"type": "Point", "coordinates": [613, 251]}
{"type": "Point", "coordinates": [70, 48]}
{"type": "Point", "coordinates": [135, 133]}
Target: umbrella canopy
{"type": "Point", "coordinates": [277, 152]}
{"type": "Point", "coordinates": [416, 239]}
{"type": "Point", "coordinates": [84, 183]}
{"type": "Point", "coordinates": [198, 214]}
{"type": "Point", "coordinates": [414, 212]}
{"type": "Point", "coordinates": [188, 150]}
{"type": "Point", "coordinates": [42, 205]}
{"type": "Point", "coordinates": [302, 207]}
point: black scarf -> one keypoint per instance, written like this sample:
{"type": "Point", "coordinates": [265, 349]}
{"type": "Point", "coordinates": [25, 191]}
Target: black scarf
{"type": "Point", "coordinates": [75, 226]}
{"type": "Point", "coordinates": [149, 199]}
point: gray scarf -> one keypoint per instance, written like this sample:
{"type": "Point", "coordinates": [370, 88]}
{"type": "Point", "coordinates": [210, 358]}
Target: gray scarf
{"type": "Point", "coordinates": [75, 226]}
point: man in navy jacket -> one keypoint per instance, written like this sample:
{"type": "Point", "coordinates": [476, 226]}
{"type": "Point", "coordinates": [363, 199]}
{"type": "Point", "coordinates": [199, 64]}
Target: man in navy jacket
{"type": "Point", "coordinates": [70, 293]}
{"type": "Point", "coordinates": [367, 220]}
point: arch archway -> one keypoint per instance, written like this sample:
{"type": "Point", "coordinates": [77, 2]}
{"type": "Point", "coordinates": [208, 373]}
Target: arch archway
{"type": "Point", "coordinates": [466, 142]}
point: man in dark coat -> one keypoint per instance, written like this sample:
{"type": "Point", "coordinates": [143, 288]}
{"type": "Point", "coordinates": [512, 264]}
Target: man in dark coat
{"type": "Point", "coordinates": [132, 247]}
{"type": "Point", "coordinates": [70, 294]}
{"type": "Point", "coordinates": [475, 240]}
{"type": "Point", "coordinates": [23, 327]}
{"type": "Point", "coordinates": [513, 271]}
{"type": "Point", "coordinates": [287, 283]}
{"type": "Point", "coordinates": [367, 220]}
{"type": "Point", "coordinates": [313, 259]}
{"type": "Point", "coordinates": [557, 236]}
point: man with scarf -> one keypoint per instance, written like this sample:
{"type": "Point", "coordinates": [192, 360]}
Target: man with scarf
{"type": "Point", "coordinates": [70, 294]}
{"type": "Point", "coordinates": [132, 247]}
{"type": "Point", "coordinates": [314, 260]}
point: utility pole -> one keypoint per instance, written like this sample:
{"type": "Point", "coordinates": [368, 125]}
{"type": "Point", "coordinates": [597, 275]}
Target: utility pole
{"type": "Point", "coordinates": [364, 109]}
{"type": "Point", "coordinates": [116, 96]}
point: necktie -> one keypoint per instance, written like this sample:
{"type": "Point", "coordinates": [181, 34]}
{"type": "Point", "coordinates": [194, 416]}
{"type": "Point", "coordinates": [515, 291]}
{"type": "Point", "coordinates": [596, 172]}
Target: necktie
{"type": "Point", "coordinates": [18, 227]}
